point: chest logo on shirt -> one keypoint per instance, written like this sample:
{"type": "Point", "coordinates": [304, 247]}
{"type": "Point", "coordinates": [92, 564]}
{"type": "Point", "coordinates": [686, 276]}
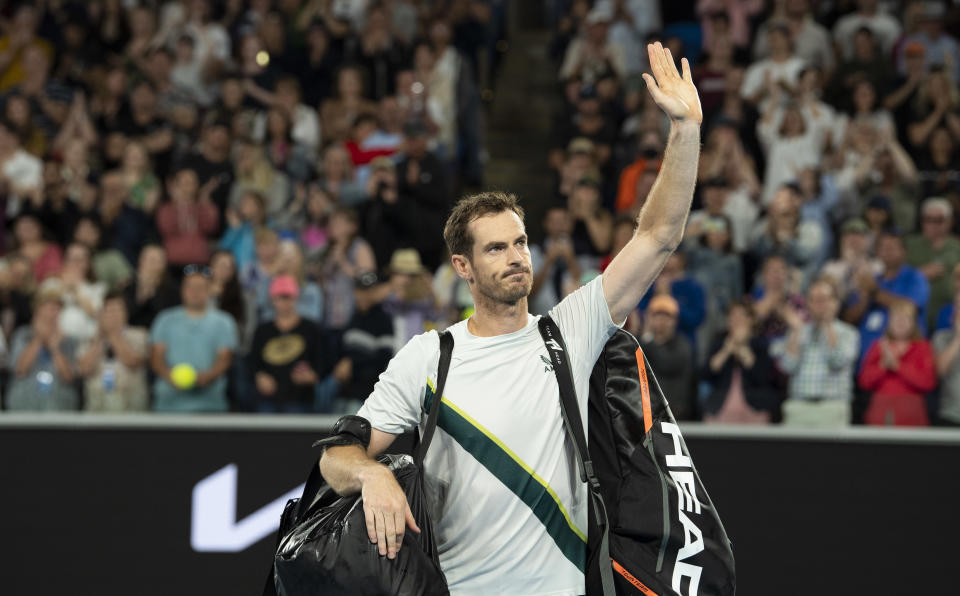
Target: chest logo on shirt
{"type": "Point", "coordinates": [547, 365]}
{"type": "Point", "coordinates": [283, 350]}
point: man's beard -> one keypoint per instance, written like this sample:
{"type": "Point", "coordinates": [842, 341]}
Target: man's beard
{"type": "Point", "coordinates": [496, 292]}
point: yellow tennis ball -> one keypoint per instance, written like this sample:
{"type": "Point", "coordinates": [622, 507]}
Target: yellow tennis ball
{"type": "Point", "coordinates": [183, 376]}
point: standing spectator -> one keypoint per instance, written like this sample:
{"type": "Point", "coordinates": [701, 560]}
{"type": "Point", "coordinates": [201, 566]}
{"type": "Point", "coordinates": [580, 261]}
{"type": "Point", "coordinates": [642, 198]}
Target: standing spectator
{"type": "Point", "coordinates": [309, 296]}
{"type": "Point", "coordinates": [422, 177]}
{"type": "Point", "coordinates": [43, 361]}
{"type": "Point", "coordinates": [946, 344]}
{"type": "Point", "coordinates": [188, 220]}
{"type": "Point", "coordinates": [255, 173]}
{"type": "Point", "coordinates": [369, 338]}
{"type": "Point", "coordinates": [899, 370]}
{"type": "Point", "coordinates": [935, 252]}
{"type": "Point", "coordinates": [781, 69]}
{"type": "Point", "coordinates": [143, 185]}
{"type": "Point", "coordinates": [670, 355]}
{"type": "Point", "coordinates": [109, 265]}
{"type": "Point", "coordinates": [125, 228]}
{"type": "Point", "coordinates": [818, 357]}
{"type": "Point", "coordinates": [225, 291]}
{"type": "Point", "coordinates": [592, 223]}
{"type": "Point", "coordinates": [811, 41]}
{"type": "Point", "coordinates": [779, 286]}
{"type": "Point", "coordinates": [889, 171]}
{"type": "Point", "coordinates": [940, 50]}
{"type": "Point", "coordinates": [556, 271]}
{"type": "Point", "coordinates": [151, 291]}
{"type": "Point", "coordinates": [785, 233]}
{"type": "Point", "coordinates": [212, 162]}
{"type": "Point", "coordinates": [200, 336]}
{"type": "Point", "coordinates": [866, 64]}
{"type": "Point", "coordinates": [885, 27]}
{"type": "Point", "coordinates": [82, 296]}
{"type": "Point", "coordinates": [716, 267]}
{"type": "Point", "coordinates": [336, 176]}
{"type": "Point", "coordinates": [337, 114]}
{"type": "Point", "coordinates": [674, 281]}
{"type": "Point", "coordinates": [868, 305]}
{"type": "Point", "coordinates": [113, 363]}
{"type": "Point", "coordinates": [346, 257]}
{"type": "Point", "coordinates": [20, 172]}
{"type": "Point", "coordinates": [854, 259]}
{"type": "Point", "coordinates": [791, 144]}
{"type": "Point", "coordinates": [242, 226]}
{"type": "Point", "coordinates": [286, 354]}
{"type": "Point", "coordinates": [945, 316]}
{"type": "Point", "coordinates": [409, 300]}
{"type": "Point", "coordinates": [16, 291]}
{"type": "Point", "coordinates": [592, 52]}
{"type": "Point", "coordinates": [741, 373]}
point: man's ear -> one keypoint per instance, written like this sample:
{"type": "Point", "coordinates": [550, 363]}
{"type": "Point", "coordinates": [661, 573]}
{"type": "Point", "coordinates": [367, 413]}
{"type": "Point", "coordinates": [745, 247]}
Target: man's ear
{"type": "Point", "coordinates": [461, 264]}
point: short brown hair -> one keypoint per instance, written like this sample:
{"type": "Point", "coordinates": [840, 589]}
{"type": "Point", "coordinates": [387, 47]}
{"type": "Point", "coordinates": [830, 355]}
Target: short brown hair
{"type": "Point", "coordinates": [456, 232]}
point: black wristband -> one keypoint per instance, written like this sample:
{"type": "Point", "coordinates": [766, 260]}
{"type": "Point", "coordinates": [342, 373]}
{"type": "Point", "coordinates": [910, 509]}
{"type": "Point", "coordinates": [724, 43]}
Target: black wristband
{"type": "Point", "coordinates": [349, 430]}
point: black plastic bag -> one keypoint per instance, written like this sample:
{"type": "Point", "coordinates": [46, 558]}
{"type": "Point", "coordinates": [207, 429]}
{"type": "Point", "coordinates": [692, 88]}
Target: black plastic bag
{"type": "Point", "coordinates": [325, 550]}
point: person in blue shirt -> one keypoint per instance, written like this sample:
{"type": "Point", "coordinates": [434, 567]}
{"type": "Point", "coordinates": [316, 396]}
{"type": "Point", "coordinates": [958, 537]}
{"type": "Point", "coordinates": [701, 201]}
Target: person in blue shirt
{"type": "Point", "coordinates": [868, 303]}
{"type": "Point", "coordinates": [688, 293]}
{"type": "Point", "coordinates": [198, 335]}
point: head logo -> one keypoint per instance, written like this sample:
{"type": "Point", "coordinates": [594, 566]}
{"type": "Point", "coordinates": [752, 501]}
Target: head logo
{"type": "Point", "coordinates": [553, 345]}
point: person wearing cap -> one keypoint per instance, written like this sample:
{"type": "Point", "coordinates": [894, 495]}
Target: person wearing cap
{"type": "Point", "coordinates": [889, 171]}
{"type": "Point", "coordinates": [286, 354]}
{"type": "Point", "coordinates": [44, 366]}
{"type": "Point", "coordinates": [198, 335]}
{"type": "Point", "coordinates": [939, 49]}
{"type": "Point", "coordinates": [501, 390]}
{"type": "Point", "coordinates": [670, 354]}
{"type": "Point", "coordinates": [818, 356]}
{"type": "Point", "coordinates": [368, 340]}
{"type": "Point", "coordinates": [409, 298]}
{"type": "Point", "coordinates": [935, 251]}
{"type": "Point", "coordinates": [854, 258]}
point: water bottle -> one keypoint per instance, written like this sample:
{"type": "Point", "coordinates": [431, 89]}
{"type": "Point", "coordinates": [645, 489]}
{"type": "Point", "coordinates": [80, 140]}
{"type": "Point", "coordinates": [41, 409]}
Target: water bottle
{"type": "Point", "coordinates": [44, 377]}
{"type": "Point", "coordinates": [109, 377]}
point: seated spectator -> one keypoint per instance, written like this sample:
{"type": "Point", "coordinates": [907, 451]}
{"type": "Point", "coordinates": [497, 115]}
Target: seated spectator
{"type": "Point", "coordinates": [309, 298]}
{"type": "Point", "coordinates": [879, 217]}
{"type": "Point", "coordinates": [890, 172]}
{"type": "Point", "coordinates": [409, 296]}
{"type": "Point", "coordinates": [151, 290]}
{"type": "Point", "coordinates": [676, 282]}
{"type": "Point", "coordinates": [780, 69]}
{"type": "Point", "coordinates": [187, 221]}
{"type": "Point", "coordinates": [242, 226]}
{"type": "Point", "coordinates": [946, 345]}
{"type": "Point", "coordinates": [866, 64]}
{"type": "Point", "coordinates": [45, 257]}
{"type": "Point", "coordinates": [199, 336]}
{"type": "Point", "coordinates": [82, 297]}
{"type": "Point", "coordinates": [899, 371]}
{"type": "Point", "coordinates": [740, 373]}
{"type": "Point", "coordinates": [44, 365]}
{"type": "Point", "coordinates": [556, 270]}
{"type": "Point", "coordinates": [125, 228]}
{"type": "Point", "coordinates": [779, 286]}
{"type": "Point", "coordinates": [935, 252]}
{"type": "Point", "coordinates": [854, 258]}
{"type": "Point", "coordinates": [818, 356]}
{"type": "Point", "coordinates": [389, 219]}
{"type": "Point", "coordinates": [939, 164]}
{"type": "Point", "coordinates": [304, 121]}
{"type": "Point", "coordinates": [785, 233]}
{"type": "Point", "coordinates": [286, 354]}
{"type": "Point", "coordinates": [868, 304]}
{"type": "Point", "coordinates": [940, 50]}
{"type": "Point", "coordinates": [226, 293]}
{"type": "Point", "coordinates": [213, 162]}
{"type": "Point", "coordinates": [422, 177]}
{"type": "Point", "coordinates": [109, 265]}
{"type": "Point", "coordinates": [670, 355]}
{"type": "Point", "coordinates": [113, 363]}
{"type": "Point", "coordinates": [368, 341]}
{"type": "Point", "coordinates": [885, 27]}
{"type": "Point", "coordinates": [592, 52]}
{"type": "Point", "coordinates": [811, 41]}
{"type": "Point", "coordinates": [864, 109]}
{"type": "Point", "coordinates": [310, 217]}
{"type": "Point", "coordinates": [649, 154]}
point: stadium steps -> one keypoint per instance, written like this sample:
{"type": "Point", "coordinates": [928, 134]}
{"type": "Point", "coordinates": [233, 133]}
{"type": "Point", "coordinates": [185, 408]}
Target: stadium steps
{"type": "Point", "coordinates": [519, 122]}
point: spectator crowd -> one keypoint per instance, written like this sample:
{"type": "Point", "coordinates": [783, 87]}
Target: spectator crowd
{"type": "Point", "coordinates": [239, 205]}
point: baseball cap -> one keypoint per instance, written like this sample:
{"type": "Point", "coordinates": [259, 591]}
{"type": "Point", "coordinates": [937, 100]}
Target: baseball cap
{"type": "Point", "coordinates": [665, 304]}
{"type": "Point", "coordinates": [880, 202]}
{"type": "Point", "coordinates": [284, 285]}
{"type": "Point", "coordinates": [581, 145]}
{"type": "Point", "coordinates": [854, 225]}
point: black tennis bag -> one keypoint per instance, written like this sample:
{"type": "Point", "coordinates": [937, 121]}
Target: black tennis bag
{"type": "Point", "coordinates": [653, 528]}
{"type": "Point", "coordinates": [322, 544]}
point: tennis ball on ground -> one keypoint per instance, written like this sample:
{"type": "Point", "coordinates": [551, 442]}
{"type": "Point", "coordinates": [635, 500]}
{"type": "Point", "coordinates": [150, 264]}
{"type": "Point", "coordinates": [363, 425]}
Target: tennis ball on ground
{"type": "Point", "coordinates": [183, 376]}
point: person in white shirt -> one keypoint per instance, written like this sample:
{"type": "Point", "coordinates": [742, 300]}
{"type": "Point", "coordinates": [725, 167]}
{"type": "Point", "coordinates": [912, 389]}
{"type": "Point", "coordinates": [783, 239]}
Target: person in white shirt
{"type": "Point", "coordinates": [21, 174]}
{"type": "Point", "coordinates": [885, 27]}
{"type": "Point", "coordinates": [764, 79]}
{"type": "Point", "coordinates": [500, 415]}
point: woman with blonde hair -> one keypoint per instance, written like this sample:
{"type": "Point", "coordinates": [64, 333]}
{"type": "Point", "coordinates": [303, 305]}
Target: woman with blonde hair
{"type": "Point", "coordinates": [899, 370]}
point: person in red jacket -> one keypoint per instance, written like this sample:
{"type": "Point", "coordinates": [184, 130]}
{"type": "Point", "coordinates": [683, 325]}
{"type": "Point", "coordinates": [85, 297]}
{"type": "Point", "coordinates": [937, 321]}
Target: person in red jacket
{"type": "Point", "coordinates": [899, 370]}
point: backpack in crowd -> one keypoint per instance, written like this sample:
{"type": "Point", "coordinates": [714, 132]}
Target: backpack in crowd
{"type": "Point", "coordinates": [653, 529]}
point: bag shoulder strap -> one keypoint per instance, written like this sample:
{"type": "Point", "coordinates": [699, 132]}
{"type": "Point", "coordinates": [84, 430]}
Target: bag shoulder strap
{"type": "Point", "coordinates": [573, 423]}
{"type": "Point", "coordinates": [446, 353]}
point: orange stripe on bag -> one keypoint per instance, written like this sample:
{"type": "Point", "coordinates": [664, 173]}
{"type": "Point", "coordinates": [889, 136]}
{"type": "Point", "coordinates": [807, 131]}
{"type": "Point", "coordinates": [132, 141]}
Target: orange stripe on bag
{"type": "Point", "coordinates": [636, 583]}
{"type": "Point", "coordinates": [644, 391]}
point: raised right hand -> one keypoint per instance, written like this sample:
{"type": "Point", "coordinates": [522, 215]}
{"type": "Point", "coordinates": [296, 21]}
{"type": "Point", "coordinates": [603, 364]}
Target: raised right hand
{"type": "Point", "coordinates": [386, 511]}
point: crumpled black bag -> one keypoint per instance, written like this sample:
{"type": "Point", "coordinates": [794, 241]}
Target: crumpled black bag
{"type": "Point", "coordinates": [322, 544]}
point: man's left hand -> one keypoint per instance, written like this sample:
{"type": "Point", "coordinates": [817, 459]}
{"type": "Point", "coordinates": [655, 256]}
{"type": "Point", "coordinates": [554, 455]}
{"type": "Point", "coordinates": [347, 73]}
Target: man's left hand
{"type": "Point", "coordinates": [675, 94]}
